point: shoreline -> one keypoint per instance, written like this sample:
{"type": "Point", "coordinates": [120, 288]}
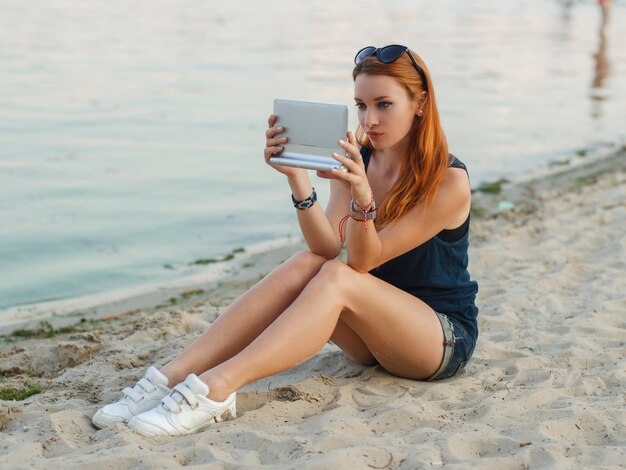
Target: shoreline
{"type": "Point", "coordinates": [543, 389]}
{"type": "Point", "coordinates": [499, 197]}
{"type": "Point", "coordinates": [522, 193]}
{"type": "Point", "coordinates": [252, 263]}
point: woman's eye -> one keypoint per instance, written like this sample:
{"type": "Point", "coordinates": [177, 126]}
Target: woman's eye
{"type": "Point", "coordinates": [384, 104]}
{"type": "Point", "coordinates": [360, 106]}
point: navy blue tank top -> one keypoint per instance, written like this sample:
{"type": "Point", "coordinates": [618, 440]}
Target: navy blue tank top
{"type": "Point", "coordinates": [436, 271]}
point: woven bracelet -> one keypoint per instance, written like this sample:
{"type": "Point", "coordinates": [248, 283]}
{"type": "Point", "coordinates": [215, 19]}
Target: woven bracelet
{"type": "Point", "coordinates": [308, 202]}
{"type": "Point", "coordinates": [362, 215]}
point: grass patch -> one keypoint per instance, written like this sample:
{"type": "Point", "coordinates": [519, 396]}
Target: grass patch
{"type": "Point", "coordinates": [567, 161]}
{"type": "Point", "coordinates": [191, 293]}
{"type": "Point", "coordinates": [492, 188]}
{"type": "Point", "coordinates": [478, 212]}
{"type": "Point", "coordinates": [168, 266]}
{"type": "Point", "coordinates": [9, 393]}
{"type": "Point", "coordinates": [76, 314]}
{"type": "Point", "coordinates": [183, 296]}
{"type": "Point", "coordinates": [45, 330]}
{"type": "Point", "coordinates": [585, 181]}
{"type": "Point", "coordinates": [228, 257]}
{"type": "Point", "coordinates": [204, 261]}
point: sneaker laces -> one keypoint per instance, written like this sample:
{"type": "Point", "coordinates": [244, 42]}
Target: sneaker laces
{"type": "Point", "coordinates": [140, 390]}
{"type": "Point", "coordinates": [179, 394]}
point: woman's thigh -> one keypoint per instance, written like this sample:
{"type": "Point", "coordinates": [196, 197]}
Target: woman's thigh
{"type": "Point", "coordinates": [399, 330]}
{"type": "Point", "coordinates": [351, 343]}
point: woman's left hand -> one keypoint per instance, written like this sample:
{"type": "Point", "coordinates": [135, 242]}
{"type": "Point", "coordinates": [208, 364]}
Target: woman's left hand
{"type": "Point", "coordinates": [355, 178]}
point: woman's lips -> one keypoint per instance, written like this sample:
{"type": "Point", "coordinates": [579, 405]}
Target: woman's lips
{"type": "Point", "coordinates": [374, 135]}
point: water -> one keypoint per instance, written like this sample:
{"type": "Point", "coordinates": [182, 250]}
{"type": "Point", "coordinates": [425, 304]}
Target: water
{"type": "Point", "coordinates": [131, 133]}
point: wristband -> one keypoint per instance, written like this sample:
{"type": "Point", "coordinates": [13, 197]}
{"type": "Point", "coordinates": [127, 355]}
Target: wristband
{"type": "Point", "coordinates": [358, 214]}
{"type": "Point", "coordinates": [362, 215]}
{"type": "Point", "coordinates": [308, 202]}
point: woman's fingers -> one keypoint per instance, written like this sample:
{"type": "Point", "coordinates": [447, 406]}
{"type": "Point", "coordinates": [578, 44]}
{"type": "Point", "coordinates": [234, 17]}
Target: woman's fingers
{"type": "Point", "coordinates": [272, 131]}
{"type": "Point", "coordinates": [357, 157]}
{"type": "Point", "coordinates": [273, 144]}
{"type": "Point", "coordinates": [352, 166]}
{"type": "Point", "coordinates": [351, 149]}
{"type": "Point", "coordinates": [351, 138]}
{"type": "Point", "coordinates": [277, 141]}
{"type": "Point", "coordinates": [272, 152]}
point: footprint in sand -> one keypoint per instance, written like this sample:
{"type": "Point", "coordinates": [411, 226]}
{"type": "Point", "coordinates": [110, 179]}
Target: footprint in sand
{"type": "Point", "coordinates": [463, 447]}
{"type": "Point", "coordinates": [70, 430]}
{"type": "Point", "coordinates": [250, 401]}
{"type": "Point", "coordinates": [370, 396]}
{"type": "Point", "coordinates": [592, 430]}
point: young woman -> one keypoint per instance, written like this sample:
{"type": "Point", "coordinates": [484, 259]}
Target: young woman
{"type": "Point", "coordinates": [403, 300]}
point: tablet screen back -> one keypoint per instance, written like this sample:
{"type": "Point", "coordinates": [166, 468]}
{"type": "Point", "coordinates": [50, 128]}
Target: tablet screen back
{"type": "Point", "coordinates": [313, 129]}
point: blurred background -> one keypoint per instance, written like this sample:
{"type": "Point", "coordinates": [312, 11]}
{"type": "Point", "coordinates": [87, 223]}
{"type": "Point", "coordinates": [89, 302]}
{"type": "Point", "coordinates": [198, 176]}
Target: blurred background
{"type": "Point", "coordinates": [131, 133]}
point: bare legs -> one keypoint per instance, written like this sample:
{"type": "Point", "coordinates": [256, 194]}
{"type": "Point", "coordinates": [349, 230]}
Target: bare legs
{"type": "Point", "coordinates": [402, 332]}
{"type": "Point", "coordinates": [246, 318]}
{"type": "Point", "coordinates": [289, 316]}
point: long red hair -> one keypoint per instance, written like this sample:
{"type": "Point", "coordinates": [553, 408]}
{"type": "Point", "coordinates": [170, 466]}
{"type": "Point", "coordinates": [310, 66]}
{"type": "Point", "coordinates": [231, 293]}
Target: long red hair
{"type": "Point", "coordinates": [423, 170]}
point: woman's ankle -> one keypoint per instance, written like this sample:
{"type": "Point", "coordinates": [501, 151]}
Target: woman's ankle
{"type": "Point", "coordinates": [219, 389]}
{"type": "Point", "coordinates": [174, 374]}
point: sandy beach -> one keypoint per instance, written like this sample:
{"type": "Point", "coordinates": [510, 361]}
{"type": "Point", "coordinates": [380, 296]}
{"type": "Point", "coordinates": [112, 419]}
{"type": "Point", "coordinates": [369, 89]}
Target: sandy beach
{"type": "Point", "coordinates": [545, 388]}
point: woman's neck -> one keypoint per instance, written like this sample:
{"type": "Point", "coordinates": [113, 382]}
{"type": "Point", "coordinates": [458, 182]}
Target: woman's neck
{"type": "Point", "coordinates": [389, 161]}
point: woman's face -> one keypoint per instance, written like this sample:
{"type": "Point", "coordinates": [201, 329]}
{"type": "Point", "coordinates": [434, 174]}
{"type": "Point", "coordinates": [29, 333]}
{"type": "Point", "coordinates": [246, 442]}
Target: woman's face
{"type": "Point", "coordinates": [386, 111]}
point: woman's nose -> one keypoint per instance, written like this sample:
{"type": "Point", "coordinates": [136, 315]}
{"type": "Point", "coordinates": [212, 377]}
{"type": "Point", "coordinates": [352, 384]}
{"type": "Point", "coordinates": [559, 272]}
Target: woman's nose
{"type": "Point", "coordinates": [370, 119]}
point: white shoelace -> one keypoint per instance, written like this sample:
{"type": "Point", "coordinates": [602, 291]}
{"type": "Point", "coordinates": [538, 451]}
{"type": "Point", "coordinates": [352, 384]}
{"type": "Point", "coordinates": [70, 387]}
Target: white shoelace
{"type": "Point", "coordinates": [139, 391]}
{"type": "Point", "coordinates": [179, 393]}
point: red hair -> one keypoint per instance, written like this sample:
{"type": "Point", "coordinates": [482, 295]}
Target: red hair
{"type": "Point", "coordinates": [423, 170]}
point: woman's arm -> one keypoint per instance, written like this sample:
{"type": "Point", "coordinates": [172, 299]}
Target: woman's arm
{"type": "Point", "coordinates": [367, 248]}
{"type": "Point", "coordinates": [317, 227]}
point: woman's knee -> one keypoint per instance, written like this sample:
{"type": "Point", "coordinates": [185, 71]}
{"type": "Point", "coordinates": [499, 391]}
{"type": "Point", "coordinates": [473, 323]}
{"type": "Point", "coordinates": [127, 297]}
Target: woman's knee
{"type": "Point", "coordinates": [305, 261]}
{"type": "Point", "coordinates": [300, 267]}
{"type": "Point", "coordinates": [336, 273]}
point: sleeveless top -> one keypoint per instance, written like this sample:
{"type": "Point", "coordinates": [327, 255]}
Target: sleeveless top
{"type": "Point", "coordinates": [436, 271]}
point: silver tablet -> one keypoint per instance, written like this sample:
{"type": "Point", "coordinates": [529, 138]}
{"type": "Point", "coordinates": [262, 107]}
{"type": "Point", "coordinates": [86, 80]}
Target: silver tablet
{"type": "Point", "coordinates": [313, 130]}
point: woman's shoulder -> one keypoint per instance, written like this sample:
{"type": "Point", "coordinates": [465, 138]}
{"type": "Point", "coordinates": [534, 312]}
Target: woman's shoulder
{"type": "Point", "coordinates": [455, 181]}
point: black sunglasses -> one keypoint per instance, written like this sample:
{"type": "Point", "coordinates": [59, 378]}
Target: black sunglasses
{"type": "Point", "coordinates": [389, 54]}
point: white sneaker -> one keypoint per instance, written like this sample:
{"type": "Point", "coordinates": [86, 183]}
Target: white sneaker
{"type": "Point", "coordinates": [142, 397]}
{"type": "Point", "coordinates": [185, 410]}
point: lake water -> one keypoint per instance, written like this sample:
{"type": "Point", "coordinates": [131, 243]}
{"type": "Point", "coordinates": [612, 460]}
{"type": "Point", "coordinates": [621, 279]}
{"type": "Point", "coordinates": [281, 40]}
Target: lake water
{"type": "Point", "coordinates": [131, 133]}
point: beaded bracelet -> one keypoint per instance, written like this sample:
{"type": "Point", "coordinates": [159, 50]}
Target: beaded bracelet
{"type": "Point", "coordinates": [308, 202]}
{"type": "Point", "coordinates": [358, 214]}
{"type": "Point", "coordinates": [362, 215]}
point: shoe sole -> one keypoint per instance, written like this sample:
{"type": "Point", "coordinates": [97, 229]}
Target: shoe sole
{"type": "Point", "coordinates": [226, 415]}
{"type": "Point", "coordinates": [104, 424]}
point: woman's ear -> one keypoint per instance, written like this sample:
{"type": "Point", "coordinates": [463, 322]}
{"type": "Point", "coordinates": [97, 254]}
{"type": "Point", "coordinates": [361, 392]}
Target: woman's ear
{"type": "Point", "coordinates": [420, 103]}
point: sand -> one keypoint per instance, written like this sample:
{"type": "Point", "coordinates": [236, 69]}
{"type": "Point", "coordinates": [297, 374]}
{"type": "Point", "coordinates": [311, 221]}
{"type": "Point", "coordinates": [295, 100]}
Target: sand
{"type": "Point", "coordinates": [545, 388]}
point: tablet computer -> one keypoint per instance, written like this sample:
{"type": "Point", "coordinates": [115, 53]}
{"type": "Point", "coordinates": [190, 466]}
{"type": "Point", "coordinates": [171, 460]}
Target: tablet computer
{"type": "Point", "coordinates": [313, 130]}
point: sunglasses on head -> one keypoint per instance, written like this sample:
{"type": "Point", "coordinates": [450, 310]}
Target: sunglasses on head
{"type": "Point", "coordinates": [389, 54]}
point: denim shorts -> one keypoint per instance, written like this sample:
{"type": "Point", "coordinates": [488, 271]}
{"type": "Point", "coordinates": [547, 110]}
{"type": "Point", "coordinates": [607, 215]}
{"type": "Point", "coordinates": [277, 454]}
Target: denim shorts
{"type": "Point", "coordinates": [458, 348]}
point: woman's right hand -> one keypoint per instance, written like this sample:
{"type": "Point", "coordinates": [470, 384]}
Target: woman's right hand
{"type": "Point", "coordinates": [273, 147]}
